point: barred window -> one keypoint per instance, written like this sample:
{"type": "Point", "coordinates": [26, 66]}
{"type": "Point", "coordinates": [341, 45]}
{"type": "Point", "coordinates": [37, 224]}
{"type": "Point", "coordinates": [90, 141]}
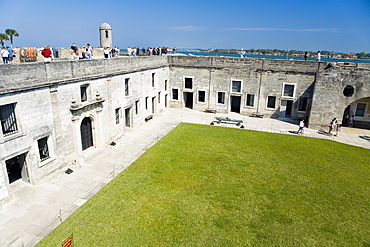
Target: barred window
{"type": "Point", "coordinates": [118, 115]}
{"type": "Point", "coordinates": [236, 87]}
{"type": "Point", "coordinates": [8, 119]}
{"type": "Point", "coordinates": [126, 86]}
{"type": "Point", "coordinates": [43, 148]}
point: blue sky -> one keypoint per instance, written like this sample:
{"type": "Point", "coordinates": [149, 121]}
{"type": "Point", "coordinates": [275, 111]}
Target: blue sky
{"type": "Point", "coordinates": [333, 25]}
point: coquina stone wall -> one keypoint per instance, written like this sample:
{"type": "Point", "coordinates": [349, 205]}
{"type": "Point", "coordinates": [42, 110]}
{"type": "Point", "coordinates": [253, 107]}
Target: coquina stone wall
{"type": "Point", "coordinates": [56, 101]}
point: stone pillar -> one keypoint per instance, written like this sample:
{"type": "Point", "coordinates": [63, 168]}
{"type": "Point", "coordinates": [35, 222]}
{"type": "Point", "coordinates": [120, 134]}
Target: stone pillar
{"type": "Point", "coordinates": [105, 35]}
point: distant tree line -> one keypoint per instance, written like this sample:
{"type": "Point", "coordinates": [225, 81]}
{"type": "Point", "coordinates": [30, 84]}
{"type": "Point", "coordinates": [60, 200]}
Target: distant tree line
{"type": "Point", "coordinates": [279, 52]}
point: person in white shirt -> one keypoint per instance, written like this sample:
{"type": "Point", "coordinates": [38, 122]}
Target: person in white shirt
{"type": "Point", "coordinates": [5, 55]}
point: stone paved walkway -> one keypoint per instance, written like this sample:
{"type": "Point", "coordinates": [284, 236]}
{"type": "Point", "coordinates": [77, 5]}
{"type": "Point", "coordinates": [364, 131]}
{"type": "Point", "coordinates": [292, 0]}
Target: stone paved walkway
{"type": "Point", "coordinates": [35, 210]}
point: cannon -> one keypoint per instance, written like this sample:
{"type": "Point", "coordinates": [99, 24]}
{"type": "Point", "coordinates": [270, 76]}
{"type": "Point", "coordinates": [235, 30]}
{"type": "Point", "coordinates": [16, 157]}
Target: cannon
{"type": "Point", "coordinates": [227, 120]}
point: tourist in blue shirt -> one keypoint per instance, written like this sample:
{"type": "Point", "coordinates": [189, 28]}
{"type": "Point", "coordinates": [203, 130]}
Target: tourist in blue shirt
{"type": "Point", "coordinates": [10, 56]}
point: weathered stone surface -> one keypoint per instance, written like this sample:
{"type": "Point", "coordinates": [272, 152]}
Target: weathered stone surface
{"type": "Point", "coordinates": [55, 100]}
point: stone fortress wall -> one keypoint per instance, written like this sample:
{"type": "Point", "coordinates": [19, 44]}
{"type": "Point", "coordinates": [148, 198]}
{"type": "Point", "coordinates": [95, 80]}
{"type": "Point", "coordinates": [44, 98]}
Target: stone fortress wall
{"type": "Point", "coordinates": [54, 114]}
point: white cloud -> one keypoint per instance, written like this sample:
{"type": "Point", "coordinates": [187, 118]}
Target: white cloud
{"type": "Point", "coordinates": [330, 30]}
{"type": "Point", "coordinates": [188, 28]}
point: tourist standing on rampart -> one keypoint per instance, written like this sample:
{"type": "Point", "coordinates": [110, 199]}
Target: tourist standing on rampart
{"type": "Point", "coordinates": [46, 53]}
{"type": "Point", "coordinates": [89, 50]}
{"type": "Point", "coordinates": [10, 56]}
{"type": "Point", "coordinates": [106, 52]}
{"type": "Point", "coordinates": [305, 56]}
{"type": "Point", "coordinates": [5, 55]}
{"type": "Point", "coordinates": [318, 56]}
{"type": "Point", "coordinates": [74, 52]}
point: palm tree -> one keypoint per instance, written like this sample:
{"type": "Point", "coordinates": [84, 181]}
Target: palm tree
{"type": "Point", "coordinates": [11, 33]}
{"type": "Point", "coordinates": [3, 37]}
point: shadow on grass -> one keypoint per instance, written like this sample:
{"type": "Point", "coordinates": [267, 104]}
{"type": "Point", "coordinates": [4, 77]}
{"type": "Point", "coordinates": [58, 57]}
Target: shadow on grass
{"type": "Point", "coordinates": [367, 138]}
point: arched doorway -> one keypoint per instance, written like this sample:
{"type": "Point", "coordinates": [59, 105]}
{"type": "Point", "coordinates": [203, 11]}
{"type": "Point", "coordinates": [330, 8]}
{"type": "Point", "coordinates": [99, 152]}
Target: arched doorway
{"type": "Point", "coordinates": [357, 114]}
{"type": "Point", "coordinates": [86, 133]}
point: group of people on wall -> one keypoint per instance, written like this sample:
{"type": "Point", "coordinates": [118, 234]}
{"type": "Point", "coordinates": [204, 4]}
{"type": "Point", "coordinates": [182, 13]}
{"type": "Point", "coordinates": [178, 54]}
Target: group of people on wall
{"type": "Point", "coordinates": [86, 52]}
{"type": "Point", "coordinates": [7, 54]}
{"type": "Point", "coordinates": [136, 51]}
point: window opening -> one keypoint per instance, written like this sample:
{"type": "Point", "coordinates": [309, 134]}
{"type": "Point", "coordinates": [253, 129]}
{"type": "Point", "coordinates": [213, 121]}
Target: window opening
{"type": "Point", "coordinates": [360, 110]}
{"type": "Point", "coordinates": [188, 82]}
{"type": "Point", "coordinates": [236, 86]}
{"type": "Point", "coordinates": [84, 93]}
{"type": "Point", "coordinates": [250, 99]}
{"type": "Point", "coordinates": [271, 101]}
{"type": "Point", "coordinates": [43, 148]}
{"type": "Point", "coordinates": [175, 93]}
{"type": "Point", "coordinates": [302, 105]}
{"type": "Point", "coordinates": [118, 115]}
{"type": "Point", "coordinates": [201, 96]}
{"type": "Point", "coordinates": [127, 86]}
{"type": "Point", "coordinates": [221, 98]}
{"type": "Point", "coordinates": [288, 90]}
{"type": "Point", "coordinates": [8, 119]}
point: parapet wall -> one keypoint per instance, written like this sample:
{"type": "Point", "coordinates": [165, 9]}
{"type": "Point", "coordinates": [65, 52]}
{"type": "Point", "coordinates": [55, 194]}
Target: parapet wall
{"type": "Point", "coordinates": [16, 77]}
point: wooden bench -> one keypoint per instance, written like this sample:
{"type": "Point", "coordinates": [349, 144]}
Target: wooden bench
{"type": "Point", "coordinates": [148, 118]}
{"type": "Point", "coordinates": [256, 115]}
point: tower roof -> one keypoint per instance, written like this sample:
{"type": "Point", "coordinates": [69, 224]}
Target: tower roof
{"type": "Point", "coordinates": [105, 26]}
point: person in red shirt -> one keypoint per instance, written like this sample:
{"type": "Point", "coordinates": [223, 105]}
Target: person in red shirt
{"type": "Point", "coordinates": [46, 53]}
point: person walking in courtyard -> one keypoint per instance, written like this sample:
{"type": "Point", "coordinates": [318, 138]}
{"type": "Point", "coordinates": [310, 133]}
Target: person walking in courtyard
{"type": "Point", "coordinates": [331, 125]}
{"type": "Point", "coordinates": [351, 120]}
{"type": "Point", "coordinates": [301, 127]}
{"type": "Point", "coordinates": [337, 127]}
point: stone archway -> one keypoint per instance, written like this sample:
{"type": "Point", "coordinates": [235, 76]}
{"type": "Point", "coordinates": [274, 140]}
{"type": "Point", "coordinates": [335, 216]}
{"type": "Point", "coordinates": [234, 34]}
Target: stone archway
{"type": "Point", "coordinates": [359, 111]}
{"type": "Point", "coordinates": [86, 133]}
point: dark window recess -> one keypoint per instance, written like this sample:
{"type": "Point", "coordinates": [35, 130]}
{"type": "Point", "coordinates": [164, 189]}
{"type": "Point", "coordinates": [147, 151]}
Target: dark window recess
{"type": "Point", "coordinates": [201, 96]}
{"type": "Point", "coordinates": [188, 83]}
{"type": "Point", "coordinates": [288, 90]}
{"type": "Point", "coordinates": [84, 93]}
{"type": "Point", "coordinates": [153, 76]}
{"type": "Point", "coordinates": [236, 86]}
{"type": "Point", "coordinates": [43, 148]}
{"type": "Point", "coordinates": [159, 97]}
{"type": "Point", "coordinates": [360, 110]}
{"type": "Point", "coordinates": [271, 101]}
{"type": "Point", "coordinates": [175, 93]}
{"type": "Point", "coordinates": [348, 91]}
{"type": "Point", "coordinates": [165, 85]}
{"type": "Point", "coordinates": [221, 97]}
{"type": "Point", "coordinates": [127, 86]}
{"type": "Point", "coordinates": [302, 105]}
{"type": "Point", "coordinates": [8, 120]}
{"type": "Point", "coordinates": [117, 114]}
{"type": "Point", "coordinates": [250, 99]}
{"type": "Point", "coordinates": [146, 103]}
{"type": "Point", "coordinates": [136, 107]}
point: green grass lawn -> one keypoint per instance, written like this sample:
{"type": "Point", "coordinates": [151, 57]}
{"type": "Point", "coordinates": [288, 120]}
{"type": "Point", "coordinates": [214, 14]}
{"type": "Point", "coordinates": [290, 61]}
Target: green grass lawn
{"type": "Point", "coordinates": [213, 186]}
